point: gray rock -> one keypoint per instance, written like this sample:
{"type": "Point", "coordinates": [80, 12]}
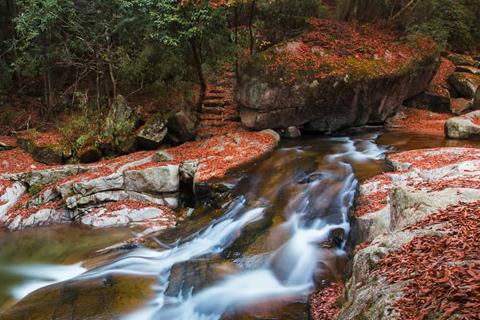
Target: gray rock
{"type": "Point", "coordinates": [169, 199]}
{"type": "Point", "coordinates": [147, 216]}
{"type": "Point", "coordinates": [152, 133]}
{"type": "Point", "coordinates": [466, 84]}
{"type": "Point", "coordinates": [182, 126]}
{"type": "Point", "coordinates": [154, 180]}
{"type": "Point", "coordinates": [42, 217]}
{"type": "Point", "coordinates": [100, 184]}
{"type": "Point", "coordinates": [47, 176]}
{"type": "Point", "coordinates": [9, 198]}
{"type": "Point", "coordinates": [463, 127]}
{"type": "Point", "coordinates": [291, 132]}
{"type": "Point", "coordinates": [187, 171]}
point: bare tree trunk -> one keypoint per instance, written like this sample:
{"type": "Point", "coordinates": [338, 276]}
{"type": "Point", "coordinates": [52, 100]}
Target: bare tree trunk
{"type": "Point", "coordinates": [250, 26]}
{"type": "Point", "coordinates": [201, 78]}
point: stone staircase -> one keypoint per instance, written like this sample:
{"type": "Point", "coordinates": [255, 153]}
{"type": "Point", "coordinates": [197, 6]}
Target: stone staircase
{"type": "Point", "coordinates": [219, 115]}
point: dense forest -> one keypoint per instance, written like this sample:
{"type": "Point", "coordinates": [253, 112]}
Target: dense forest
{"type": "Point", "coordinates": [71, 53]}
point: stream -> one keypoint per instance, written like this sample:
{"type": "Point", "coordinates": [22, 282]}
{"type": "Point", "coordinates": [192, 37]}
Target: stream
{"type": "Point", "coordinates": [258, 255]}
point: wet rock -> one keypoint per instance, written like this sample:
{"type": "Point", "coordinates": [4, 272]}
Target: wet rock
{"type": "Point", "coordinates": [153, 180]}
{"type": "Point", "coordinates": [106, 297]}
{"type": "Point", "coordinates": [89, 154]}
{"type": "Point", "coordinates": [466, 84]}
{"type": "Point", "coordinates": [196, 275]}
{"type": "Point", "coordinates": [463, 127]}
{"type": "Point", "coordinates": [152, 133]}
{"type": "Point", "coordinates": [182, 126]}
{"type": "Point", "coordinates": [48, 154]}
{"type": "Point", "coordinates": [291, 132]}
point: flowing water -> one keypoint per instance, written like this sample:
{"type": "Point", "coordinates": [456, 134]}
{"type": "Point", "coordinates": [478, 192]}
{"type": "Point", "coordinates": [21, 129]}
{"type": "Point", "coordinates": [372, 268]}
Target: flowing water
{"type": "Point", "coordinates": [258, 256]}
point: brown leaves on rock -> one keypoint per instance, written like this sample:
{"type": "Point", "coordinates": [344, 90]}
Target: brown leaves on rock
{"type": "Point", "coordinates": [338, 48]}
{"type": "Point", "coordinates": [442, 273]}
{"type": "Point", "coordinates": [324, 304]}
{"type": "Point", "coordinates": [421, 121]}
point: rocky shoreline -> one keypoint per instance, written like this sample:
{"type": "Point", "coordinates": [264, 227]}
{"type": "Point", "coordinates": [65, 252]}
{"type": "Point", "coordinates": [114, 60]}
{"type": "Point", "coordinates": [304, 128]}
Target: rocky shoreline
{"type": "Point", "coordinates": [139, 190]}
{"type": "Point", "coordinates": [417, 229]}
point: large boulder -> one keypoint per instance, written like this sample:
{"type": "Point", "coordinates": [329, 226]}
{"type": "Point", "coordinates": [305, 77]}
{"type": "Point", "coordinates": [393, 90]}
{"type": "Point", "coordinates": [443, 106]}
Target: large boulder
{"type": "Point", "coordinates": [152, 133]}
{"type": "Point", "coordinates": [465, 84]}
{"type": "Point", "coordinates": [47, 152]}
{"type": "Point", "coordinates": [182, 126]}
{"type": "Point", "coordinates": [119, 128]}
{"type": "Point", "coordinates": [464, 127]}
{"type": "Point", "coordinates": [327, 103]}
{"type": "Point", "coordinates": [154, 180]}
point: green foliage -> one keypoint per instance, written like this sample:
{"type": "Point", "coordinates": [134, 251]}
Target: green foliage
{"type": "Point", "coordinates": [280, 18]}
{"type": "Point", "coordinates": [35, 189]}
{"type": "Point", "coordinates": [107, 47]}
{"type": "Point", "coordinates": [449, 22]}
{"type": "Point", "coordinates": [452, 23]}
{"type": "Point", "coordinates": [82, 127]}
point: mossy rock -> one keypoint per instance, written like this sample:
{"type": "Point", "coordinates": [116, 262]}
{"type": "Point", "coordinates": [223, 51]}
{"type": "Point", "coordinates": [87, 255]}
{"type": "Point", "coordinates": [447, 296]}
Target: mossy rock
{"type": "Point", "coordinates": [89, 154]}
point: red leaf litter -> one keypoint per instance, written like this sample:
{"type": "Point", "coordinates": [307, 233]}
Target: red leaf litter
{"type": "Point", "coordinates": [437, 157]}
{"type": "Point", "coordinates": [323, 303]}
{"type": "Point", "coordinates": [17, 160]}
{"type": "Point", "coordinates": [42, 138]}
{"type": "Point", "coordinates": [437, 185]}
{"type": "Point", "coordinates": [412, 120]}
{"type": "Point", "coordinates": [476, 121]}
{"type": "Point", "coordinates": [442, 273]}
{"type": "Point", "coordinates": [336, 48]}
{"type": "Point", "coordinates": [440, 81]}
{"type": "Point", "coordinates": [8, 140]}
{"type": "Point", "coordinates": [376, 200]}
